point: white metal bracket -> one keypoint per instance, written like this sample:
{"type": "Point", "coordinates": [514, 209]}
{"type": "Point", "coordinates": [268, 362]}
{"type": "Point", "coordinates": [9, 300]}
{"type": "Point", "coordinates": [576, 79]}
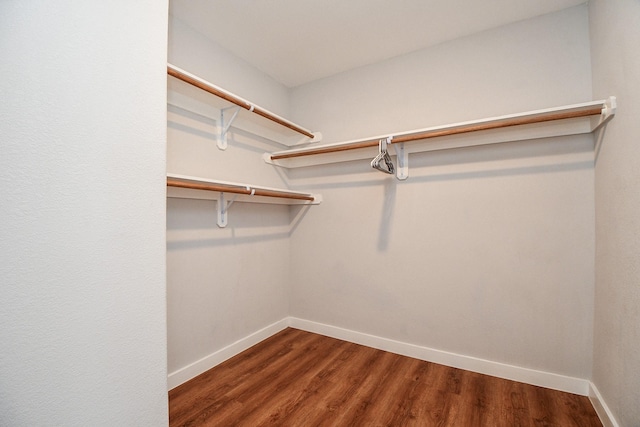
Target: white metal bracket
{"type": "Point", "coordinates": [223, 210]}
{"type": "Point", "coordinates": [402, 171]}
{"type": "Point", "coordinates": [224, 126]}
{"type": "Point", "coordinates": [608, 111]}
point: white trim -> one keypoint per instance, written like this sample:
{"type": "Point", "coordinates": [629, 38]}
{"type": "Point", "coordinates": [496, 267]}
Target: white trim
{"type": "Point", "coordinates": [196, 368]}
{"type": "Point", "coordinates": [487, 367]}
{"type": "Point", "coordinates": [601, 407]}
{"type": "Point", "coordinates": [529, 376]}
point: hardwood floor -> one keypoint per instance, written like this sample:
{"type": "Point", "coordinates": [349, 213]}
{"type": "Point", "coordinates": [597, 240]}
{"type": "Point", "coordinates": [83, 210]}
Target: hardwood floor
{"type": "Point", "coordinates": [297, 378]}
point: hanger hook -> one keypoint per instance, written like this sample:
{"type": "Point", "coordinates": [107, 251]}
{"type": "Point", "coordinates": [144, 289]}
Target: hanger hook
{"type": "Point", "coordinates": [383, 154]}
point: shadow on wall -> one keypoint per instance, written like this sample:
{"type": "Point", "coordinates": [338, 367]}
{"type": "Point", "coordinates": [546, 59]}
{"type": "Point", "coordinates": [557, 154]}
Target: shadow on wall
{"type": "Point", "coordinates": [203, 126]}
{"type": "Point", "coordinates": [390, 187]}
{"type": "Point", "coordinates": [191, 223]}
{"type": "Point", "coordinates": [598, 142]}
{"type": "Point", "coordinates": [523, 158]}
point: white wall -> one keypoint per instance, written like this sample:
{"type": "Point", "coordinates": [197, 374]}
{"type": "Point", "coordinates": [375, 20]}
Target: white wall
{"type": "Point", "coordinates": [615, 37]}
{"type": "Point", "coordinates": [223, 284]}
{"type": "Point", "coordinates": [192, 123]}
{"type": "Point", "coordinates": [199, 55]}
{"type": "Point", "coordinates": [486, 252]}
{"type": "Point", "coordinates": [528, 65]}
{"type": "Point", "coordinates": [82, 312]}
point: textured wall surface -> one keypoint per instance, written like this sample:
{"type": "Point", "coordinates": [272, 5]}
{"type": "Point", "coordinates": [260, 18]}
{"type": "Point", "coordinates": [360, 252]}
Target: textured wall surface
{"type": "Point", "coordinates": [82, 312]}
{"type": "Point", "coordinates": [615, 37]}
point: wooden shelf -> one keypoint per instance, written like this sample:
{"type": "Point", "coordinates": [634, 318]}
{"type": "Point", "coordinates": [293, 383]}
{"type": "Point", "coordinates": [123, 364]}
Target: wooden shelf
{"type": "Point", "coordinates": [551, 122]}
{"type": "Point", "coordinates": [190, 187]}
{"type": "Point", "coordinates": [228, 109]}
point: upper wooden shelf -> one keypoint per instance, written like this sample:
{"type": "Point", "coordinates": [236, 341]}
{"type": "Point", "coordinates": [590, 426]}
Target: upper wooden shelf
{"type": "Point", "coordinates": [231, 110]}
{"type": "Point", "coordinates": [559, 121]}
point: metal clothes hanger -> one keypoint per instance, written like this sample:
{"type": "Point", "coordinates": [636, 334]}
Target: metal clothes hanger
{"type": "Point", "coordinates": [383, 154]}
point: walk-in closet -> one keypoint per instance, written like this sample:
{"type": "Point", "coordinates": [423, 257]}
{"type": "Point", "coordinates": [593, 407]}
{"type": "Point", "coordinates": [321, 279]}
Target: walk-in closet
{"type": "Point", "coordinates": [340, 213]}
{"type": "Point", "coordinates": [450, 205]}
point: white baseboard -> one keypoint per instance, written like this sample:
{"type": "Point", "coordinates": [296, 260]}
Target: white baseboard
{"type": "Point", "coordinates": [487, 367]}
{"type": "Point", "coordinates": [196, 368]}
{"type": "Point", "coordinates": [601, 407]}
{"type": "Point", "coordinates": [501, 370]}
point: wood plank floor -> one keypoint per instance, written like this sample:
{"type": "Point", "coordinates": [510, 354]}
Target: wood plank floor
{"type": "Point", "coordinates": [297, 378]}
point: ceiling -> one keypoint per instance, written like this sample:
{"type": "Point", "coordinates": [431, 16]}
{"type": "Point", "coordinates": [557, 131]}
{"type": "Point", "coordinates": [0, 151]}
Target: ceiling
{"type": "Point", "coordinates": [298, 41]}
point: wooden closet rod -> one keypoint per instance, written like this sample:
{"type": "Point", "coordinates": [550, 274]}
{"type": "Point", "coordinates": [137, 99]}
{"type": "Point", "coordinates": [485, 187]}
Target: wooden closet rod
{"type": "Point", "coordinates": [517, 121]}
{"type": "Point", "coordinates": [239, 190]}
{"type": "Point", "coordinates": [209, 187]}
{"type": "Point", "coordinates": [214, 90]}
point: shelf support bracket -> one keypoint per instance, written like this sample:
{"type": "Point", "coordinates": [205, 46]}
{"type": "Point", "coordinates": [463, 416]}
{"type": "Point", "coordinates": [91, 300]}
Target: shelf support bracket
{"type": "Point", "coordinates": [225, 126]}
{"type": "Point", "coordinates": [223, 210]}
{"type": "Point", "coordinates": [608, 111]}
{"type": "Point", "coordinates": [402, 171]}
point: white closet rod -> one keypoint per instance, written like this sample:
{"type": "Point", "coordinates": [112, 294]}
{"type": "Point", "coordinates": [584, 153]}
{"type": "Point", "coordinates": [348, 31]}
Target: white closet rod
{"type": "Point", "coordinates": [191, 79]}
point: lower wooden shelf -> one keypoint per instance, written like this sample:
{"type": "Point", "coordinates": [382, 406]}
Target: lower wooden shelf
{"type": "Point", "coordinates": [226, 193]}
{"type": "Point", "coordinates": [190, 187]}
